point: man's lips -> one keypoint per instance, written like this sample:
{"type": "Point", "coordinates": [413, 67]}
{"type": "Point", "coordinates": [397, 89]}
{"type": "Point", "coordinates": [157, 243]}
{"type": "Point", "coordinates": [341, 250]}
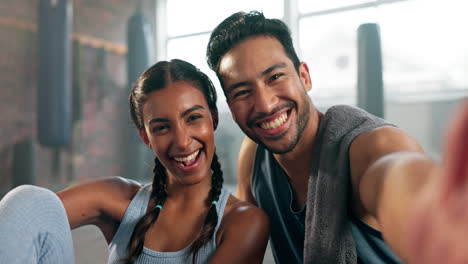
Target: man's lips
{"type": "Point", "coordinates": [274, 123]}
{"type": "Point", "coordinates": [273, 127]}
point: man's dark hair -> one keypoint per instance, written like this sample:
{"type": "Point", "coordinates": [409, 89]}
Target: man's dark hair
{"type": "Point", "coordinates": [241, 26]}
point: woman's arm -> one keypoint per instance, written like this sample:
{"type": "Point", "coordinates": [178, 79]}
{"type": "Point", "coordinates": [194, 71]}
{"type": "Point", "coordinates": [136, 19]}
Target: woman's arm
{"type": "Point", "coordinates": [99, 202]}
{"type": "Point", "coordinates": [243, 235]}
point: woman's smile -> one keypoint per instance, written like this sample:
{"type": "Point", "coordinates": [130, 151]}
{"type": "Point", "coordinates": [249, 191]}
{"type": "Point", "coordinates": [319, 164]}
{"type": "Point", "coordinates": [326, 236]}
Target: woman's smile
{"type": "Point", "coordinates": [189, 162]}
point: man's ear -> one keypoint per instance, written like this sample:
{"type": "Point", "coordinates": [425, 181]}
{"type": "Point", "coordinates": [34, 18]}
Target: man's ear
{"type": "Point", "coordinates": [144, 136]}
{"type": "Point", "coordinates": [231, 111]}
{"type": "Point", "coordinates": [304, 75]}
{"type": "Point", "coordinates": [215, 118]}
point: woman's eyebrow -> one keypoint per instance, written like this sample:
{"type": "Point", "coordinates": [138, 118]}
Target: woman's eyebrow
{"type": "Point", "coordinates": [191, 109]}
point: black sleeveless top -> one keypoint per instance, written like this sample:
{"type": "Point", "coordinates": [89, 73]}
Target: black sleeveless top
{"type": "Point", "coordinates": [273, 193]}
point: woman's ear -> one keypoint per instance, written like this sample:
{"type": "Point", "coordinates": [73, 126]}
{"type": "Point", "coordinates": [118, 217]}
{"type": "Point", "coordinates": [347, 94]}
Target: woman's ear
{"type": "Point", "coordinates": [144, 137]}
{"type": "Point", "coordinates": [215, 118]}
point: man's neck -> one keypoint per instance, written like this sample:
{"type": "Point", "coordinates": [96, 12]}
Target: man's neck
{"type": "Point", "coordinates": [297, 163]}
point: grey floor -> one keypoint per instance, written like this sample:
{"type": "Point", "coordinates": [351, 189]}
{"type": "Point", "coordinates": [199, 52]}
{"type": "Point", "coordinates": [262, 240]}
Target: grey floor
{"type": "Point", "coordinates": [91, 247]}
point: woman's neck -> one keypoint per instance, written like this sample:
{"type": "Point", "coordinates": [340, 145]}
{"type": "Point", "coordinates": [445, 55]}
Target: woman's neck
{"type": "Point", "coordinates": [188, 195]}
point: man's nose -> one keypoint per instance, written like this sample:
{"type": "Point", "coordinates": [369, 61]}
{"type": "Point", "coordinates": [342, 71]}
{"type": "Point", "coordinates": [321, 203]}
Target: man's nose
{"type": "Point", "coordinates": [265, 100]}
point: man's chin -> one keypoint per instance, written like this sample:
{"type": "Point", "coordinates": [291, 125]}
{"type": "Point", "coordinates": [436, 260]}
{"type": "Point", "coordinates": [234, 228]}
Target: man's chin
{"type": "Point", "coordinates": [279, 145]}
{"type": "Point", "coordinates": [279, 150]}
{"type": "Point", "coordinates": [276, 145]}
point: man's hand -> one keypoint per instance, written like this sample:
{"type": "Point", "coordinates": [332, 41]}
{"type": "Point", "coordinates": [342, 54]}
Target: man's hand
{"type": "Point", "coordinates": [438, 225]}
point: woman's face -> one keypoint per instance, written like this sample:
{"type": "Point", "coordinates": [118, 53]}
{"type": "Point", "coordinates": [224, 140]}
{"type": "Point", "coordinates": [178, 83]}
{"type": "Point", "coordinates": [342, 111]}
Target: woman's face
{"type": "Point", "coordinates": [178, 127]}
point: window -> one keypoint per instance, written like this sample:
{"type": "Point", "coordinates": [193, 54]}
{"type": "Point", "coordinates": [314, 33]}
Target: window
{"type": "Point", "coordinates": [328, 44]}
{"type": "Point", "coordinates": [307, 6]}
{"type": "Point", "coordinates": [425, 49]}
{"type": "Point", "coordinates": [188, 17]}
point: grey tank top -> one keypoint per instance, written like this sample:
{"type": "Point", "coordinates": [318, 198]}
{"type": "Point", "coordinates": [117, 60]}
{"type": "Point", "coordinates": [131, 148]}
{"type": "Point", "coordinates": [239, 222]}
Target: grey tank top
{"type": "Point", "coordinates": [136, 210]}
{"type": "Point", "coordinates": [273, 193]}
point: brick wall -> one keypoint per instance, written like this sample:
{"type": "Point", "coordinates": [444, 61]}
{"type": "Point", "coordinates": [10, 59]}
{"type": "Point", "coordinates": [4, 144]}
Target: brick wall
{"type": "Point", "coordinates": [95, 150]}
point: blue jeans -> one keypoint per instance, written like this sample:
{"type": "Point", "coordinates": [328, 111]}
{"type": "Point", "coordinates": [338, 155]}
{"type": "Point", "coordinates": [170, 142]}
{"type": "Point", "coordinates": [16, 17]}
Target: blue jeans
{"type": "Point", "coordinates": [34, 227]}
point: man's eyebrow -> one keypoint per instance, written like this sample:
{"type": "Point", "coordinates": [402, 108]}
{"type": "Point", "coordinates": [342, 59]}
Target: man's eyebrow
{"type": "Point", "coordinates": [273, 67]}
{"type": "Point", "coordinates": [186, 112]}
{"type": "Point", "coordinates": [232, 87]}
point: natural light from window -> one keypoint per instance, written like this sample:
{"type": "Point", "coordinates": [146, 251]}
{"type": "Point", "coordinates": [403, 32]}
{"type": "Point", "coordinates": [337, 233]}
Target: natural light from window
{"type": "Point", "coordinates": [185, 17]}
{"type": "Point", "coordinates": [424, 44]}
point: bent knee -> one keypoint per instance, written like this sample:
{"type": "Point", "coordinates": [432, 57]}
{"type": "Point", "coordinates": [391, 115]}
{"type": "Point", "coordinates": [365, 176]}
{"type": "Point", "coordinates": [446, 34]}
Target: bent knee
{"type": "Point", "coordinates": [29, 196]}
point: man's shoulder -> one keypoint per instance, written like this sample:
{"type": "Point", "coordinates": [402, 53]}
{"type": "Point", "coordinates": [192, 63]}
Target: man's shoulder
{"type": "Point", "coordinates": [346, 111]}
{"type": "Point", "coordinates": [345, 121]}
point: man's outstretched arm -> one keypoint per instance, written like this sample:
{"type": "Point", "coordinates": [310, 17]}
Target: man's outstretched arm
{"type": "Point", "coordinates": [412, 197]}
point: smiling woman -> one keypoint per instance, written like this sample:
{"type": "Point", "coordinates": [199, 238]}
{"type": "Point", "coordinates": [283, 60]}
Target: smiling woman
{"type": "Point", "coordinates": [183, 216]}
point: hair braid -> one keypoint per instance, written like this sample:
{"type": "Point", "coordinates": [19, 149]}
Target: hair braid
{"type": "Point", "coordinates": [158, 195]}
{"type": "Point", "coordinates": [159, 185]}
{"type": "Point", "coordinates": [212, 218]}
{"type": "Point", "coordinates": [217, 179]}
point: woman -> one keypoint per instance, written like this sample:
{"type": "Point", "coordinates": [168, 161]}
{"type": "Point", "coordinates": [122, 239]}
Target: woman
{"type": "Point", "coordinates": [184, 215]}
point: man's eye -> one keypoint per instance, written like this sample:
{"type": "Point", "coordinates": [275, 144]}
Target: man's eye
{"type": "Point", "coordinates": [240, 93]}
{"type": "Point", "coordinates": [276, 76]}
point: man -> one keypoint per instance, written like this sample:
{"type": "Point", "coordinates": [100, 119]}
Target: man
{"type": "Point", "coordinates": [330, 181]}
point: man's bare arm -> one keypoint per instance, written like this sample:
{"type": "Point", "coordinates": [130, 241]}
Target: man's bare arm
{"type": "Point", "coordinates": [388, 170]}
{"type": "Point", "coordinates": [421, 205]}
{"type": "Point", "coordinates": [244, 170]}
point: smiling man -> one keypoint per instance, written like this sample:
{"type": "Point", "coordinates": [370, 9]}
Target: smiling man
{"type": "Point", "coordinates": [339, 187]}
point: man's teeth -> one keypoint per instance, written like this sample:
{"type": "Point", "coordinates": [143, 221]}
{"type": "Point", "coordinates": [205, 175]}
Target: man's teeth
{"type": "Point", "coordinates": [275, 123]}
{"type": "Point", "coordinates": [188, 158]}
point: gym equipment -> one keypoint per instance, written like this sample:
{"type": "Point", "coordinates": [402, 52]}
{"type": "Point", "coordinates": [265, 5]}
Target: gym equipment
{"type": "Point", "coordinates": [24, 164]}
{"type": "Point", "coordinates": [370, 77]}
{"type": "Point", "coordinates": [138, 159]}
{"type": "Point", "coordinates": [54, 91]}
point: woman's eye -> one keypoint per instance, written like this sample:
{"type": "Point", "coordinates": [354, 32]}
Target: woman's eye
{"type": "Point", "coordinates": [159, 128]}
{"type": "Point", "coordinates": [194, 117]}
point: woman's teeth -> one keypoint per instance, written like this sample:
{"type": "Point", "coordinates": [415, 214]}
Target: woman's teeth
{"type": "Point", "coordinates": [275, 123]}
{"type": "Point", "coordinates": [187, 159]}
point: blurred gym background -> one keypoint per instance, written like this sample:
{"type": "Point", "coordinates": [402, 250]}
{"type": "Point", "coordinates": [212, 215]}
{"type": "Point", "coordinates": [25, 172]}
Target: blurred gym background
{"type": "Point", "coordinates": [66, 68]}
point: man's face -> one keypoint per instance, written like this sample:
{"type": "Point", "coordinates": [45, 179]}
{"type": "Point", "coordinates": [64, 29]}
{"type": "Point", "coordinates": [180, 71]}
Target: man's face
{"type": "Point", "coordinates": [267, 96]}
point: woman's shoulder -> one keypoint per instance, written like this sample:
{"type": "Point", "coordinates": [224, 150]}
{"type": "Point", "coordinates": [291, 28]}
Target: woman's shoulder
{"type": "Point", "coordinates": [243, 234]}
{"type": "Point", "coordinates": [122, 187]}
{"type": "Point", "coordinates": [238, 208]}
{"type": "Point", "coordinates": [241, 216]}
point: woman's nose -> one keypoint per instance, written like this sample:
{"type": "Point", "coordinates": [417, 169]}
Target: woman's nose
{"type": "Point", "coordinates": [182, 138]}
